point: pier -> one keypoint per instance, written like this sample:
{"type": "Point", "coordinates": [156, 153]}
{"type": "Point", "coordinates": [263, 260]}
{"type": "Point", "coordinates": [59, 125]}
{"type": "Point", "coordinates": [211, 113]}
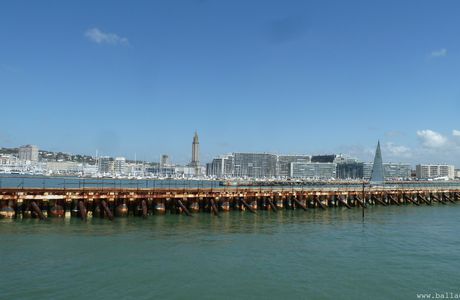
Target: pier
{"type": "Point", "coordinates": [111, 203]}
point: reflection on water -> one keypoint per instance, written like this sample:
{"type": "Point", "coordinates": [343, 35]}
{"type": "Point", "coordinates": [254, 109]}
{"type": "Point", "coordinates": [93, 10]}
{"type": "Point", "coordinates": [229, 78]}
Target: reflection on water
{"type": "Point", "coordinates": [394, 253]}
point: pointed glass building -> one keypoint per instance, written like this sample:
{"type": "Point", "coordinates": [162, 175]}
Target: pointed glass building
{"type": "Point", "coordinates": [377, 169]}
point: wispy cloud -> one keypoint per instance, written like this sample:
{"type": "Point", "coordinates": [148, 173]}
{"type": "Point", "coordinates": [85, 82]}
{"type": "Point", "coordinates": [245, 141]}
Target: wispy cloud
{"type": "Point", "coordinates": [456, 133]}
{"type": "Point", "coordinates": [431, 139]}
{"type": "Point", "coordinates": [397, 151]}
{"type": "Point", "coordinates": [99, 37]}
{"type": "Point", "coordinates": [439, 53]}
{"type": "Point", "coordinates": [394, 133]}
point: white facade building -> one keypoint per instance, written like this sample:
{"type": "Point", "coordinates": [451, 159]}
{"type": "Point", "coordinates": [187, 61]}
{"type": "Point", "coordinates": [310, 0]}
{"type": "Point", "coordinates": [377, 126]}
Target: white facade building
{"type": "Point", "coordinates": [434, 171]}
{"type": "Point", "coordinates": [119, 165]}
{"type": "Point", "coordinates": [313, 170]}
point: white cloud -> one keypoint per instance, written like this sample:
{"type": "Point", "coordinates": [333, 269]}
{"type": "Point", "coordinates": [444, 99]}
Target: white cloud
{"type": "Point", "coordinates": [99, 37]}
{"type": "Point", "coordinates": [397, 150]}
{"type": "Point", "coordinates": [431, 139]}
{"type": "Point", "coordinates": [439, 53]}
{"type": "Point", "coordinates": [456, 133]}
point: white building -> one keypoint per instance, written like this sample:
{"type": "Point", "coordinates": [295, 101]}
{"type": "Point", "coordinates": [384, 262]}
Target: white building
{"type": "Point", "coordinates": [119, 165]}
{"type": "Point", "coordinates": [28, 153]}
{"type": "Point", "coordinates": [63, 167]}
{"type": "Point", "coordinates": [164, 161]}
{"type": "Point", "coordinates": [313, 170]}
{"type": "Point", "coordinates": [434, 171]}
{"type": "Point", "coordinates": [6, 159]}
{"type": "Point", "coordinates": [186, 171]}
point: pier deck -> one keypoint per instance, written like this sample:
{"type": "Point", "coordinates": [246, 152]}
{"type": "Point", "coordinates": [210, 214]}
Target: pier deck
{"type": "Point", "coordinates": [120, 202]}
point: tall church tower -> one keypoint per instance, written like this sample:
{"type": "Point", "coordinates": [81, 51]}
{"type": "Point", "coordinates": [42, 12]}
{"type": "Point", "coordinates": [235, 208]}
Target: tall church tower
{"type": "Point", "coordinates": [196, 155]}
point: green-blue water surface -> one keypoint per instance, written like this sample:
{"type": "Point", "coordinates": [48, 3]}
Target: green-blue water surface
{"type": "Point", "coordinates": [395, 253]}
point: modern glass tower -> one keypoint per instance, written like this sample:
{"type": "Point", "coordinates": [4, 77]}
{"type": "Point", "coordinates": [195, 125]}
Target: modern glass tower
{"type": "Point", "coordinates": [377, 169]}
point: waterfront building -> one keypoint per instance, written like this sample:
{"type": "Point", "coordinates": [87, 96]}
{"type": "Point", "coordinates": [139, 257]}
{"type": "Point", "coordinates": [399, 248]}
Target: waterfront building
{"type": "Point", "coordinates": [284, 163]}
{"type": "Point", "coordinates": [329, 158]}
{"type": "Point", "coordinates": [105, 165]}
{"type": "Point", "coordinates": [396, 170]}
{"type": "Point", "coordinates": [367, 170]}
{"type": "Point", "coordinates": [8, 159]}
{"type": "Point", "coordinates": [28, 153]}
{"type": "Point", "coordinates": [119, 166]}
{"type": "Point", "coordinates": [195, 163]}
{"type": "Point", "coordinates": [457, 173]}
{"type": "Point", "coordinates": [157, 170]}
{"type": "Point", "coordinates": [377, 175]}
{"type": "Point", "coordinates": [313, 170]}
{"type": "Point", "coordinates": [426, 171]}
{"type": "Point", "coordinates": [221, 166]}
{"type": "Point", "coordinates": [164, 161]}
{"type": "Point", "coordinates": [351, 170]}
{"type": "Point", "coordinates": [363, 170]}
{"type": "Point", "coordinates": [89, 170]}
{"type": "Point", "coordinates": [254, 165]}
{"type": "Point", "coordinates": [187, 171]}
{"type": "Point", "coordinates": [63, 167]}
{"type": "Point", "coordinates": [390, 170]}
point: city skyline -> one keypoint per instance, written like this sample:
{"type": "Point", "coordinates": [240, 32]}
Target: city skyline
{"type": "Point", "coordinates": [283, 79]}
{"type": "Point", "coordinates": [195, 162]}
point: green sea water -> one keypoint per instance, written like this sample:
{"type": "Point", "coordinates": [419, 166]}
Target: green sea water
{"type": "Point", "coordinates": [396, 253]}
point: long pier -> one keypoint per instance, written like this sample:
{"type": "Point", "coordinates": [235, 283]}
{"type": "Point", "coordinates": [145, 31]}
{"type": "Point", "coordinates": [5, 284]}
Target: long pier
{"type": "Point", "coordinates": [113, 203]}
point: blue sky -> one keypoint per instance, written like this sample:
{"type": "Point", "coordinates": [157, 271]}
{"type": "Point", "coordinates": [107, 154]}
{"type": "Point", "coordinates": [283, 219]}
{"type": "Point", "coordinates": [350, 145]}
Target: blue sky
{"type": "Point", "coordinates": [311, 77]}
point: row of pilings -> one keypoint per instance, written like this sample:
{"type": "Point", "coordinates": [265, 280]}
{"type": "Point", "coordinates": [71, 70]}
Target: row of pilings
{"type": "Point", "coordinates": [45, 204]}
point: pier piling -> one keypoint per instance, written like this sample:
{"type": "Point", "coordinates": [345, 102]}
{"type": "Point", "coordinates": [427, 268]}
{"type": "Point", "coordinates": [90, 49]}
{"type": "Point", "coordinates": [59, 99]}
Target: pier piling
{"type": "Point", "coordinates": [107, 210]}
{"type": "Point", "coordinates": [182, 206]}
{"type": "Point", "coordinates": [37, 210]}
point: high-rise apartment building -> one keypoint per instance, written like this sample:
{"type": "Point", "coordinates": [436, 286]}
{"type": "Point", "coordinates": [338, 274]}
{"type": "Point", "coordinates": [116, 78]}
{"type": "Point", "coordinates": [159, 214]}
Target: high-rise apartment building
{"type": "Point", "coordinates": [119, 165]}
{"type": "Point", "coordinates": [105, 165]}
{"type": "Point", "coordinates": [221, 166]}
{"type": "Point", "coordinates": [284, 163]}
{"type": "Point", "coordinates": [254, 165]}
{"type": "Point", "coordinates": [28, 153]}
{"type": "Point", "coordinates": [164, 161]}
{"type": "Point", "coordinates": [433, 171]}
{"type": "Point", "coordinates": [313, 170]}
